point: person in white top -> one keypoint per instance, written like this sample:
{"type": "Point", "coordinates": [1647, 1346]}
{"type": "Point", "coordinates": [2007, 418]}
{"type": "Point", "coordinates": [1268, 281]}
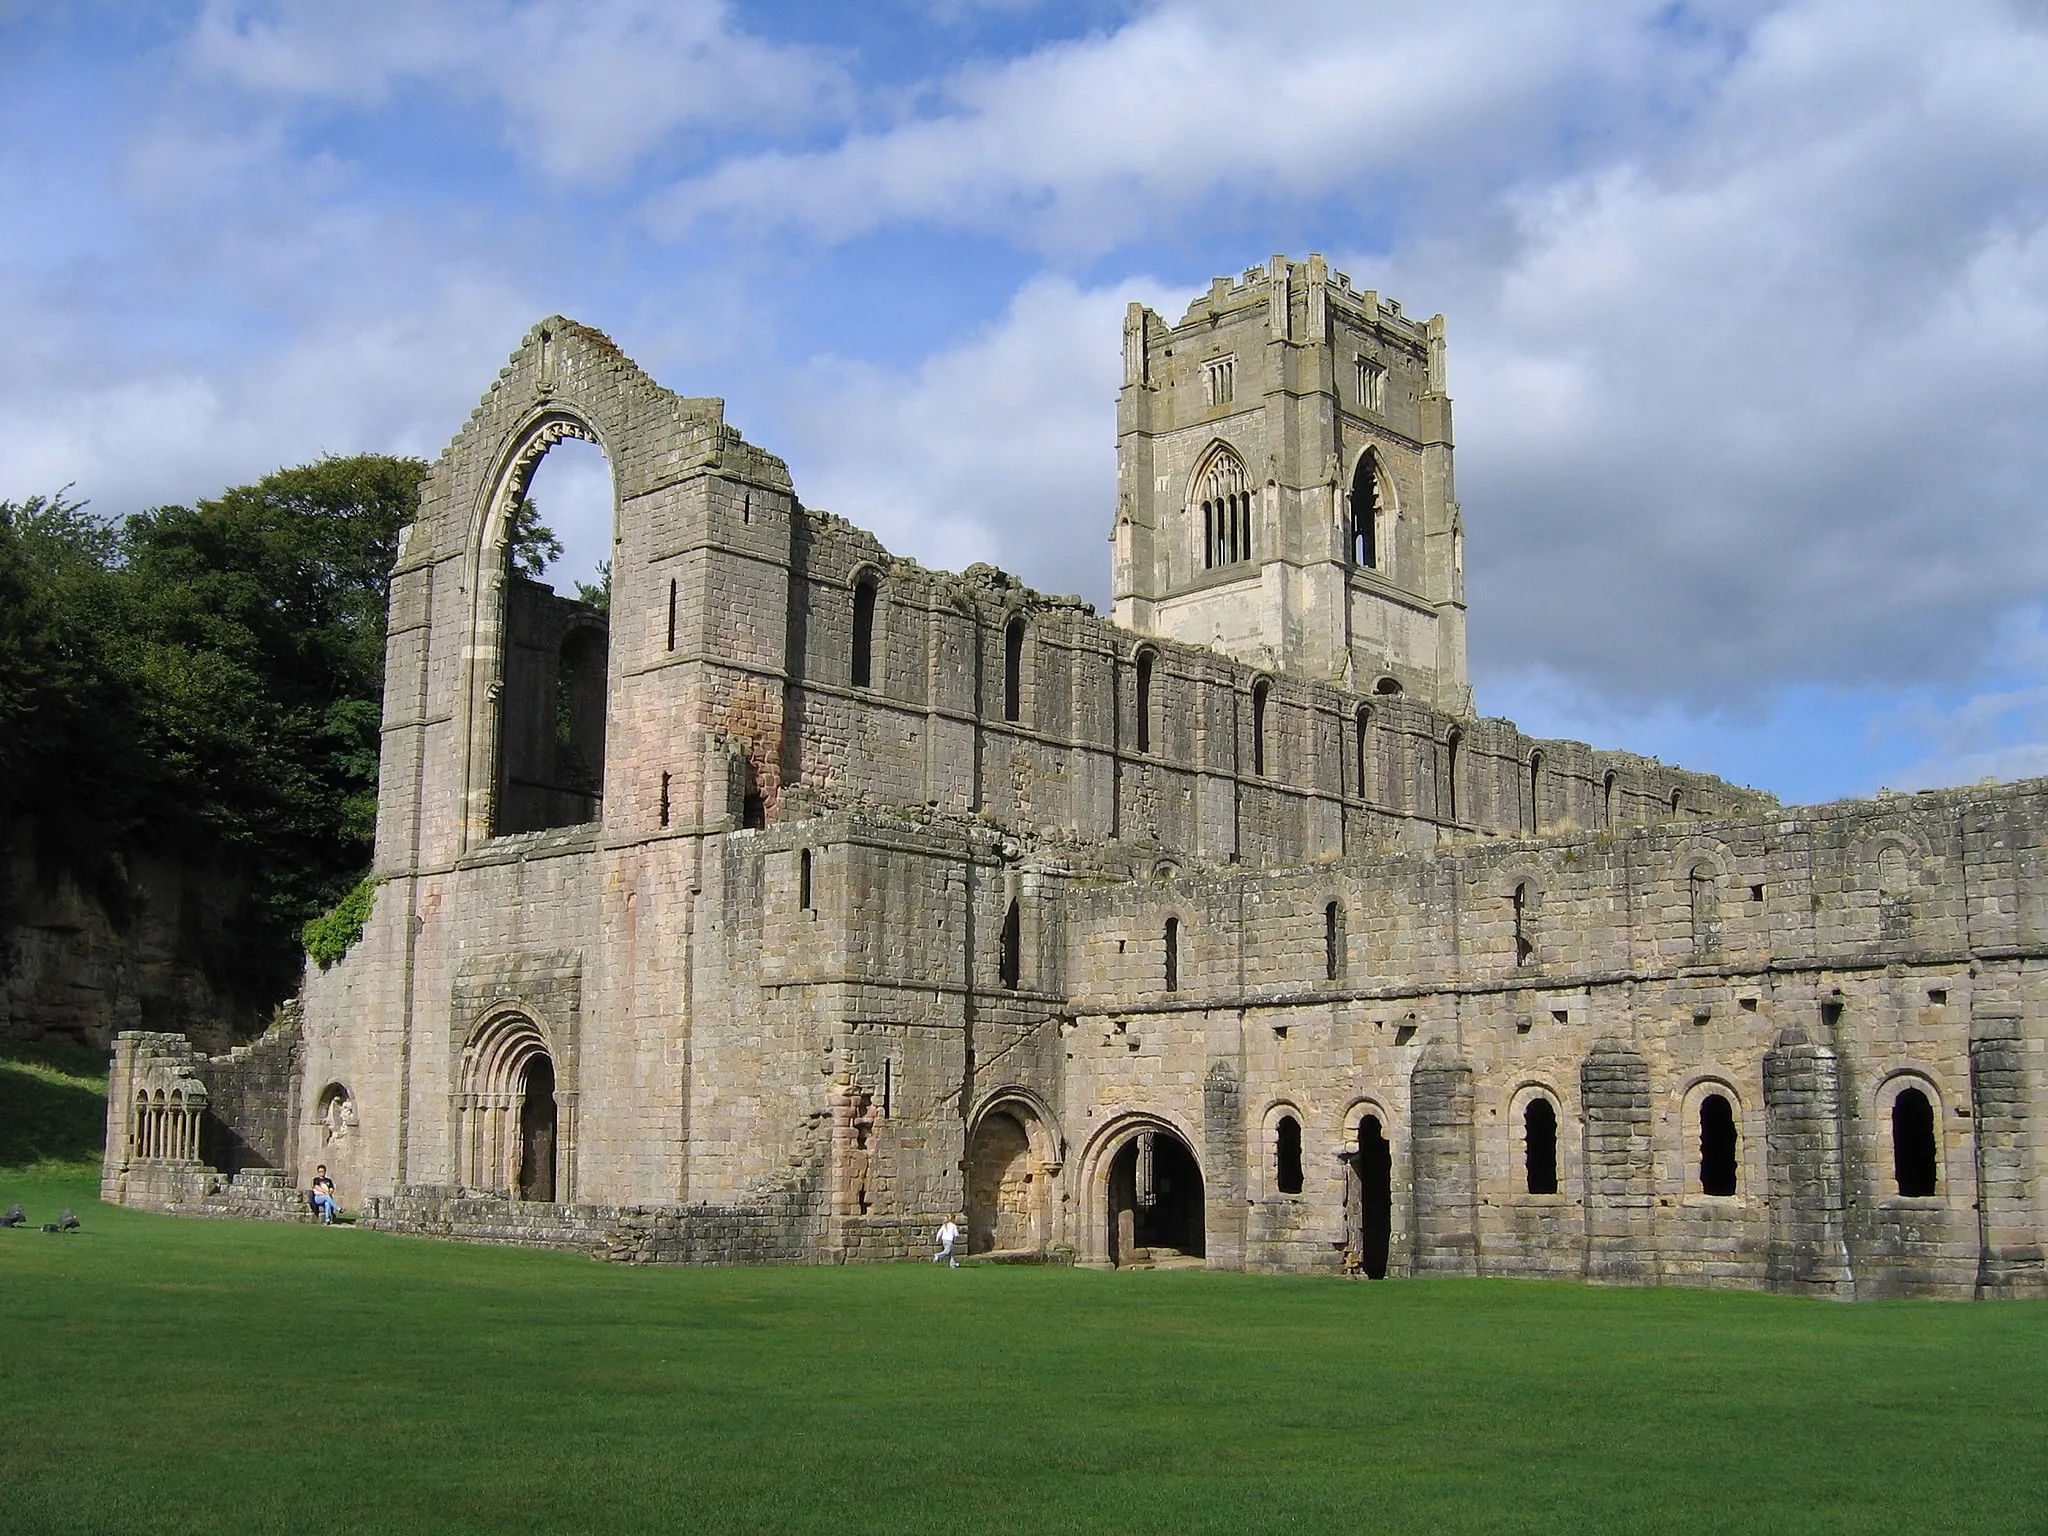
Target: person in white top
{"type": "Point", "coordinates": [949, 1234]}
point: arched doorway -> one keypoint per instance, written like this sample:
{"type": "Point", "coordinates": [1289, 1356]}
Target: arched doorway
{"type": "Point", "coordinates": [1372, 1174]}
{"type": "Point", "coordinates": [1007, 1182]}
{"type": "Point", "coordinates": [537, 1129]}
{"type": "Point", "coordinates": [1156, 1208]}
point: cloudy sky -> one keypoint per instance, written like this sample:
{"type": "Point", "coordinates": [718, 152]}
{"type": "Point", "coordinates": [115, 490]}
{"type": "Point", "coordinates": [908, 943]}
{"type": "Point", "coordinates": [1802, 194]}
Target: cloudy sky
{"type": "Point", "coordinates": [1747, 302]}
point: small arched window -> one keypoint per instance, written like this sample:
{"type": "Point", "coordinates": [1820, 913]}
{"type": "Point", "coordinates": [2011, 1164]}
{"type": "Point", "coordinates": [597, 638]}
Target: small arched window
{"type": "Point", "coordinates": [1535, 812]}
{"type": "Point", "coordinates": [864, 592]}
{"type": "Point", "coordinates": [1539, 1146]}
{"type": "Point", "coordinates": [803, 880]}
{"type": "Point", "coordinates": [1287, 1155]}
{"type": "Point", "coordinates": [1333, 941]}
{"type": "Point", "coordinates": [1608, 800]}
{"type": "Point", "coordinates": [1914, 1163]}
{"type": "Point", "coordinates": [1677, 801]}
{"type": "Point", "coordinates": [1145, 661]}
{"type": "Point", "coordinates": [1013, 669]}
{"type": "Point", "coordinates": [1262, 694]}
{"type": "Point", "coordinates": [1717, 1146]}
{"type": "Point", "coordinates": [1226, 511]}
{"type": "Point", "coordinates": [1365, 512]}
{"type": "Point", "coordinates": [1452, 751]}
{"type": "Point", "coordinates": [1525, 940]}
{"type": "Point", "coordinates": [1173, 954]}
{"type": "Point", "coordinates": [1010, 948]}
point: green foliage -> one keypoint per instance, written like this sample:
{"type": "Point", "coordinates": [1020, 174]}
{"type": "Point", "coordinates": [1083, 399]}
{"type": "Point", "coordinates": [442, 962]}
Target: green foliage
{"type": "Point", "coordinates": [454, 1387]}
{"type": "Point", "coordinates": [334, 933]}
{"type": "Point", "coordinates": [53, 1104]}
{"type": "Point", "coordinates": [530, 544]}
{"type": "Point", "coordinates": [598, 593]}
{"type": "Point", "coordinates": [205, 683]}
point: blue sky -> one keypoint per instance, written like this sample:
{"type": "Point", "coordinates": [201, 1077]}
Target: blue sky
{"type": "Point", "coordinates": [1747, 302]}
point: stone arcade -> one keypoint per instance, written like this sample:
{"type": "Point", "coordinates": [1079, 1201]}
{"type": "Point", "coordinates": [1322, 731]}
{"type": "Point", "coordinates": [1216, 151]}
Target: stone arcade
{"type": "Point", "coordinates": [811, 895]}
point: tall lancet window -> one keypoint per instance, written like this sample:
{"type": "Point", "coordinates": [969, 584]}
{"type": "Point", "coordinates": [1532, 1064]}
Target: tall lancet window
{"type": "Point", "coordinates": [1365, 513]}
{"type": "Point", "coordinates": [1226, 511]}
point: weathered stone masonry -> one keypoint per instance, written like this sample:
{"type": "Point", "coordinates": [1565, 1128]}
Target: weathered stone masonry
{"type": "Point", "coordinates": [813, 896]}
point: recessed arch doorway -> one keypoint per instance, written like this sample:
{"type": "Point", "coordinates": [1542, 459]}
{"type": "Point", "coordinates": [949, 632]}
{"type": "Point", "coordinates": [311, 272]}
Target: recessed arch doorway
{"type": "Point", "coordinates": [1012, 1160]}
{"type": "Point", "coordinates": [1155, 1205]}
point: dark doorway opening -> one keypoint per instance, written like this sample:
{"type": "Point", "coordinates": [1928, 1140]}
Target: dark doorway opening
{"type": "Point", "coordinates": [1913, 1159]}
{"type": "Point", "coordinates": [1287, 1155]}
{"type": "Point", "coordinates": [1717, 1146]}
{"type": "Point", "coordinates": [1373, 1166]}
{"type": "Point", "coordinates": [537, 1131]}
{"type": "Point", "coordinates": [1156, 1210]}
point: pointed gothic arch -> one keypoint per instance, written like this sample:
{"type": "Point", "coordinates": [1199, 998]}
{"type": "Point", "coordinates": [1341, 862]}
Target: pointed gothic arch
{"type": "Point", "coordinates": [1221, 505]}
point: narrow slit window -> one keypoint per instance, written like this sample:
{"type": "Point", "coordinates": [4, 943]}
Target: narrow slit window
{"type": "Point", "coordinates": [663, 810]}
{"type": "Point", "coordinates": [1333, 941]}
{"type": "Point", "coordinates": [1173, 954]}
{"type": "Point", "coordinates": [1362, 747]}
{"type": "Point", "coordinates": [1539, 1147]}
{"type": "Point", "coordinates": [1009, 951]}
{"type": "Point", "coordinates": [1145, 701]}
{"type": "Point", "coordinates": [1608, 800]}
{"type": "Point", "coordinates": [1525, 943]}
{"type": "Point", "coordinates": [1013, 670]}
{"type": "Point", "coordinates": [864, 632]}
{"type": "Point", "coordinates": [1535, 791]}
{"type": "Point", "coordinates": [803, 880]}
{"type": "Point", "coordinates": [1262, 693]}
{"type": "Point", "coordinates": [1452, 752]}
{"type": "Point", "coordinates": [671, 615]}
{"type": "Point", "coordinates": [1287, 1155]}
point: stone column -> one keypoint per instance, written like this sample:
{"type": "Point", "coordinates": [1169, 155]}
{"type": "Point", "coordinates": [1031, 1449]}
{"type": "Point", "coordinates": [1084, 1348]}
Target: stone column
{"type": "Point", "coordinates": [1223, 1191]}
{"type": "Point", "coordinates": [2009, 1240]}
{"type": "Point", "coordinates": [1803, 1147]}
{"type": "Point", "coordinates": [1621, 1175]}
{"type": "Point", "coordinates": [1440, 1109]}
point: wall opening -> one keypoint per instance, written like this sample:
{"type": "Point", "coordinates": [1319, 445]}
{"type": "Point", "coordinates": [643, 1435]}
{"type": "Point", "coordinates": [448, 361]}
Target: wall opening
{"type": "Point", "coordinates": [1173, 954]}
{"type": "Point", "coordinates": [1539, 1147]}
{"type": "Point", "coordinates": [1373, 1166]}
{"type": "Point", "coordinates": [1365, 512]}
{"type": "Point", "coordinates": [1452, 752]}
{"type": "Point", "coordinates": [1535, 811]}
{"type": "Point", "coordinates": [1262, 694]}
{"type": "Point", "coordinates": [537, 1129]}
{"type": "Point", "coordinates": [1010, 947]}
{"type": "Point", "coordinates": [1145, 660]}
{"type": "Point", "coordinates": [1361, 772]}
{"type": "Point", "coordinates": [662, 807]}
{"type": "Point", "coordinates": [1525, 941]}
{"type": "Point", "coordinates": [1717, 1146]}
{"type": "Point", "coordinates": [1608, 800]}
{"type": "Point", "coordinates": [1914, 1163]}
{"type": "Point", "coordinates": [1704, 892]}
{"type": "Point", "coordinates": [1287, 1155]}
{"type": "Point", "coordinates": [671, 614]}
{"type": "Point", "coordinates": [803, 880]}
{"type": "Point", "coordinates": [1333, 941]}
{"type": "Point", "coordinates": [1013, 669]}
{"type": "Point", "coordinates": [864, 632]}
{"type": "Point", "coordinates": [1156, 1210]}
{"type": "Point", "coordinates": [1006, 1189]}
{"type": "Point", "coordinates": [1226, 511]}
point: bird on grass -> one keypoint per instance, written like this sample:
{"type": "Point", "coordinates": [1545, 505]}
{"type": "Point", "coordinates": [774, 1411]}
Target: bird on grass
{"type": "Point", "coordinates": [14, 1216]}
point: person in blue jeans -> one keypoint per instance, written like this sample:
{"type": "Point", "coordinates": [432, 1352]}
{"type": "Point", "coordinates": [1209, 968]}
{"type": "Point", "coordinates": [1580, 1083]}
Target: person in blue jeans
{"type": "Point", "coordinates": [323, 1196]}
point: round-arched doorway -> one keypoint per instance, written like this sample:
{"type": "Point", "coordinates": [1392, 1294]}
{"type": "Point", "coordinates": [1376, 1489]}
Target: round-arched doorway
{"type": "Point", "coordinates": [1155, 1206]}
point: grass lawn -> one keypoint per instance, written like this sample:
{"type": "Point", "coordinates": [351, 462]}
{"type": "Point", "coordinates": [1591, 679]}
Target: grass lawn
{"type": "Point", "coordinates": [169, 1375]}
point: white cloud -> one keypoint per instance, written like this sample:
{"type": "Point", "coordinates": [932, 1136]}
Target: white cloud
{"type": "Point", "coordinates": [586, 86]}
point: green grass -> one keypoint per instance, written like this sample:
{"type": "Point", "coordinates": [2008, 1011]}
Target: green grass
{"type": "Point", "coordinates": [171, 1376]}
{"type": "Point", "coordinates": [53, 1103]}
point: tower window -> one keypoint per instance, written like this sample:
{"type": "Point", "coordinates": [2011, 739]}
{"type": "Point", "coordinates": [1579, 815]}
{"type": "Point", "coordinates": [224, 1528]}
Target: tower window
{"type": "Point", "coordinates": [1363, 746]}
{"type": "Point", "coordinates": [1173, 954]}
{"type": "Point", "coordinates": [864, 632]}
{"type": "Point", "coordinates": [1013, 670]}
{"type": "Point", "coordinates": [1372, 385]}
{"type": "Point", "coordinates": [1333, 941]}
{"type": "Point", "coordinates": [1365, 513]}
{"type": "Point", "coordinates": [1609, 804]}
{"type": "Point", "coordinates": [1010, 950]}
{"type": "Point", "coordinates": [1535, 791]}
{"type": "Point", "coordinates": [1262, 693]}
{"type": "Point", "coordinates": [1226, 511]}
{"type": "Point", "coordinates": [1219, 378]}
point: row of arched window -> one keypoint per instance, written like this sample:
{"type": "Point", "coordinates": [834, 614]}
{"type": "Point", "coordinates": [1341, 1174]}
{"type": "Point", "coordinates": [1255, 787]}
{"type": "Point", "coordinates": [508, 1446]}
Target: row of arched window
{"type": "Point", "coordinates": [1714, 1164]}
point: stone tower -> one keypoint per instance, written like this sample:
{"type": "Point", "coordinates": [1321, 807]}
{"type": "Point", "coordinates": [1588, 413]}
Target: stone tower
{"type": "Point", "coordinates": [1284, 485]}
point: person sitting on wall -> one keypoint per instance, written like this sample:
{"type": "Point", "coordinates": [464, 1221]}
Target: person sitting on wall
{"type": "Point", "coordinates": [323, 1196]}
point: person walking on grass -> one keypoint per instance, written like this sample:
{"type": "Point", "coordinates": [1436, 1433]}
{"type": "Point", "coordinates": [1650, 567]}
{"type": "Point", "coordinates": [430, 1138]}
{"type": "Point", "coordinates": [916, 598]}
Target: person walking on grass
{"type": "Point", "coordinates": [949, 1234]}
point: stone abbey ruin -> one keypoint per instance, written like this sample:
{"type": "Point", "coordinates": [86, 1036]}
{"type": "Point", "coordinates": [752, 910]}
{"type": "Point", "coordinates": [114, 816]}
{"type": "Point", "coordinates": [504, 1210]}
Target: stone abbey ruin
{"type": "Point", "coordinates": [810, 896]}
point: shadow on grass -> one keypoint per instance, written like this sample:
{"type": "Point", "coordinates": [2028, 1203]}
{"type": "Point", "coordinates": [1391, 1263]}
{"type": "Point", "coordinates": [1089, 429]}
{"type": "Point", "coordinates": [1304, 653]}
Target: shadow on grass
{"type": "Point", "coordinates": [53, 1103]}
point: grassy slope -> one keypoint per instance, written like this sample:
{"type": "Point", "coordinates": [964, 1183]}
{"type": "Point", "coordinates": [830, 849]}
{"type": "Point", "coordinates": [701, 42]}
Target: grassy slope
{"type": "Point", "coordinates": [53, 1103]}
{"type": "Point", "coordinates": [172, 1376]}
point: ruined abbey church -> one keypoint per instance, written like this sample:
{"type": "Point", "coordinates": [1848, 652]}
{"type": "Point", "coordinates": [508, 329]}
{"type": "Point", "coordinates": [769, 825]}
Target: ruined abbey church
{"type": "Point", "coordinates": [809, 896]}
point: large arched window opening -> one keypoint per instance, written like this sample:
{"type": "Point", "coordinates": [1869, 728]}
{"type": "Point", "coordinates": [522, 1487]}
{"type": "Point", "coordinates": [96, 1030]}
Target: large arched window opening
{"type": "Point", "coordinates": [1539, 1147]}
{"type": "Point", "coordinates": [1717, 1146]}
{"type": "Point", "coordinates": [1915, 1163]}
{"type": "Point", "coordinates": [1013, 669]}
{"type": "Point", "coordinates": [1226, 502]}
{"type": "Point", "coordinates": [865, 591]}
{"type": "Point", "coordinates": [548, 584]}
{"type": "Point", "coordinates": [1365, 512]}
